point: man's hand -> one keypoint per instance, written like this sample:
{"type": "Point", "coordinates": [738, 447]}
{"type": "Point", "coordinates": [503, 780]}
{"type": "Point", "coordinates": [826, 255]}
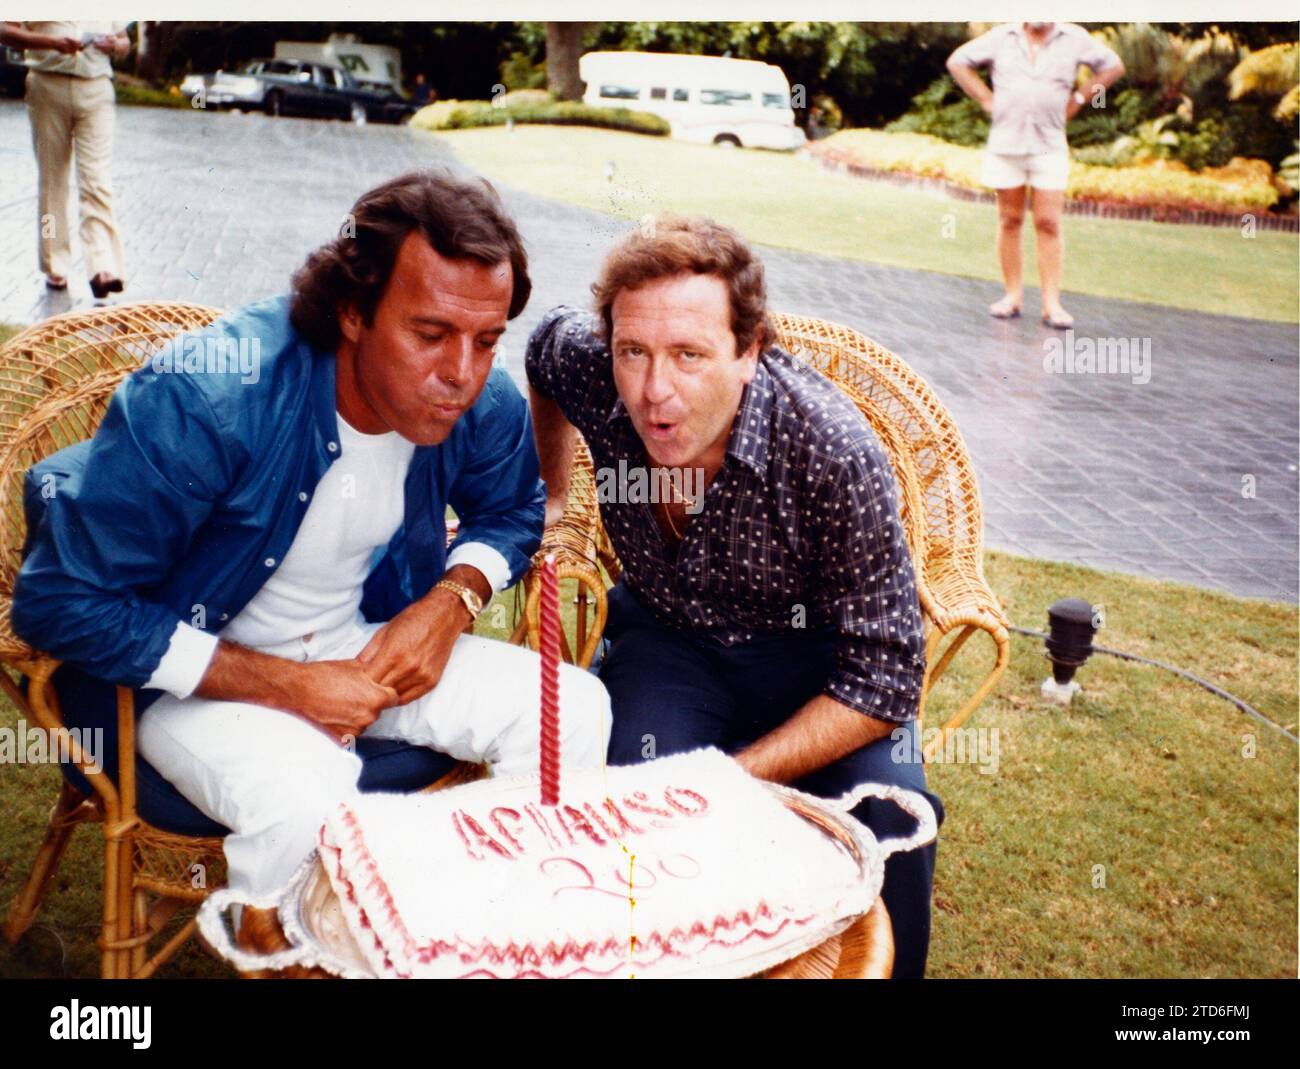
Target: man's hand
{"type": "Point", "coordinates": [971, 84]}
{"type": "Point", "coordinates": [410, 652]}
{"type": "Point", "coordinates": [339, 697]}
{"type": "Point", "coordinates": [1073, 107]}
{"type": "Point", "coordinates": [67, 45]}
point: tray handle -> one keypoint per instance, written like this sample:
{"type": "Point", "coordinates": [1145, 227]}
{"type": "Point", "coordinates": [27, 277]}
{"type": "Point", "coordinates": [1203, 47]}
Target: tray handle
{"type": "Point", "coordinates": [212, 923]}
{"type": "Point", "coordinates": [909, 802]}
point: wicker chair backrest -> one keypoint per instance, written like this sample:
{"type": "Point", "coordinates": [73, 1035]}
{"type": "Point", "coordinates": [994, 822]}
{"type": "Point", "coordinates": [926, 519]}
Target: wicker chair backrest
{"type": "Point", "coordinates": [55, 382]}
{"type": "Point", "coordinates": [939, 499]}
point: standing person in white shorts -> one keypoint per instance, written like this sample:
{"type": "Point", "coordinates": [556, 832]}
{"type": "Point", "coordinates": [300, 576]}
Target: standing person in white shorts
{"type": "Point", "coordinates": [1034, 69]}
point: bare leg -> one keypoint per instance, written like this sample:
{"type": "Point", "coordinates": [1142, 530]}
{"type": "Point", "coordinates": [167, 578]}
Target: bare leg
{"type": "Point", "coordinates": [1047, 206]}
{"type": "Point", "coordinates": [1011, 214]}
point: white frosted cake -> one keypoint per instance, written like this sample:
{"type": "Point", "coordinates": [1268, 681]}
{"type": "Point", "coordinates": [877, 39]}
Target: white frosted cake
{"type": "Point", "coordinates": [685, 865]}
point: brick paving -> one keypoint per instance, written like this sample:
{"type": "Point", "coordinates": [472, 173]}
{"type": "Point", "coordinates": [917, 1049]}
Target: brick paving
{"type": "Point", "coordinates": [1149, 478]}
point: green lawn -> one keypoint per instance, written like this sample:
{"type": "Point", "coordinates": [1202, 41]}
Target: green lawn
{"type": "Point", "coordinates": [788, 201]}
{"type": "Point", "coordinates": [1145, 775]}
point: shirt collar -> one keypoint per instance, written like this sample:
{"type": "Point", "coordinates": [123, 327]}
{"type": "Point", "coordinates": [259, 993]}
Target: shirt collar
{"type": "Point", "coordinates": [751, 428]}
{"type": "Point", "coordinates": [324, 403]}
{"type": "Point", "coordinates": [1018, 28]}
{"type": "Point", "coordinates": [750, 448]}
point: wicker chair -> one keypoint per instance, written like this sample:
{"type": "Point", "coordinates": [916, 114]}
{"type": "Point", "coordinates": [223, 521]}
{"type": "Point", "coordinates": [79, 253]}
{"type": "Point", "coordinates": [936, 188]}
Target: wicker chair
{"type": "Point", "coordinates": [55, 382]}
{"type": "Point", "coordinates": [939, 505]}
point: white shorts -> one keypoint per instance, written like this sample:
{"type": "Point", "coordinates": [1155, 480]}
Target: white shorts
{"type": "Point", "coordinates": [1050, 170]}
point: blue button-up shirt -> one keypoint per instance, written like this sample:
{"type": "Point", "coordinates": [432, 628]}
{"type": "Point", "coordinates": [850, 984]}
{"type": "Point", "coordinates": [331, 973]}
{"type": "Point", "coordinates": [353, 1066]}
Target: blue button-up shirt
{"type": "Point", "coordinates": [193, 489]}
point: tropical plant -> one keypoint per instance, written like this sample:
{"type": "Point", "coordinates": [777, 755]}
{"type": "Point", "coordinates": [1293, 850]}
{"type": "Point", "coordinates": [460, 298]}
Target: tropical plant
{"type": "Point", "coordinates": [1289, 170]}
{"type": "Point", "coordinates": [1270, 72]}
{"type": "Point", "coordinates": [1178, 69]}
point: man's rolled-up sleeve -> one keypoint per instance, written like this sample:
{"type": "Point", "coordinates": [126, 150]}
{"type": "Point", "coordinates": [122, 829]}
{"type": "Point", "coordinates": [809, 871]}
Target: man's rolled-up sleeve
{"type": "Point", "coordinates": [977, 52]}
{"type": "Point", "coordinates": [114, 526]}
{"type": "Point", "coordinates": [1096, 55]}
{"type": "Point", "coordinates": [498, 494]}
{"type": "Point", "coordinates": [868, 590]}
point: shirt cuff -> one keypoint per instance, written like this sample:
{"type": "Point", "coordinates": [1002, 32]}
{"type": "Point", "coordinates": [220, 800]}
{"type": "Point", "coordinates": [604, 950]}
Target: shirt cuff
{"type": "Point", "coordinates": [185, 662]}
{"type": "Point", "coordinates": [495, 568]}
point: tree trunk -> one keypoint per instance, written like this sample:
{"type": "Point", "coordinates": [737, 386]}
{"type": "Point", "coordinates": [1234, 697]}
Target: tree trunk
{"type": "Point", "coordinates": [563, 47]}
{"type": "Point", "coordinates": [154, 47]}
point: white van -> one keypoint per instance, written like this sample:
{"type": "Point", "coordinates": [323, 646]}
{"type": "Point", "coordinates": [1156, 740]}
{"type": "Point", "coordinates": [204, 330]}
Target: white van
{"type": "Point", "coordinates": [707, 99]}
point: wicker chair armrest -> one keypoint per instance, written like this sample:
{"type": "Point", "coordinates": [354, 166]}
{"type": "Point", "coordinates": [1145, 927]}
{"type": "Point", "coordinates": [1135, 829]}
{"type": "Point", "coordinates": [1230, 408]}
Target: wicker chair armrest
{"type": "Point", "coordinates": [571, 562]}
{"type": "Point", "coordinates": [43, 702]}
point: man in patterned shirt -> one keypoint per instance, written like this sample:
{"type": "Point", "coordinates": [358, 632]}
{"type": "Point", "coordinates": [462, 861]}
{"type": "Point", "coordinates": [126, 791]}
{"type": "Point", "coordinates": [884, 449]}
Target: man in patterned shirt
{"type": "Point", "coordinates": [767, 604]}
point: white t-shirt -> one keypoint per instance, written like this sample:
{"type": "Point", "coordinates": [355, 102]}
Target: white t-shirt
{"type": "Point", "coordinates": [357, 508]}
{"type": "Point", "coordinates": [316, 589]}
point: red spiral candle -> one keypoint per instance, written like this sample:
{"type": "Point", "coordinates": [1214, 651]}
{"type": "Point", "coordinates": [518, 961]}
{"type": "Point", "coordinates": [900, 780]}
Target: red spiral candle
{"type": "Point", "coordinates": [550, 642]}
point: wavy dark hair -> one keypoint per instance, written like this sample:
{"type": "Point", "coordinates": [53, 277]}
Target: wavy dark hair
{"type": "Point", "coordinates": [670, 245]}
{"type": "Point", "coordinates": [461, 219]}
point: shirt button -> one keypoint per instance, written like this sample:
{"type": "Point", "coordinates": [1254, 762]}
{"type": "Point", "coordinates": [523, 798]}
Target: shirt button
{"type": "Point", "coordinates": [302, 495]}
{"type": "Point", "coordinates": [333, 447]}
{"type": "Point", "coordinates": [270, 562]}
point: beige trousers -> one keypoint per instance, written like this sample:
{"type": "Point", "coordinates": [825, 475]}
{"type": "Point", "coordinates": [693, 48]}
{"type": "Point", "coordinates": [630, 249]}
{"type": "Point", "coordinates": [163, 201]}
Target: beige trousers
{"type": "Point", "coordinates": [67, 114]}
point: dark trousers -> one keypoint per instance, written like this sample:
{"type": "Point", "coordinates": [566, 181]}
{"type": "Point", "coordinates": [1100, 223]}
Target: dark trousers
{"type": "Point", "coordinates": [672, 692]}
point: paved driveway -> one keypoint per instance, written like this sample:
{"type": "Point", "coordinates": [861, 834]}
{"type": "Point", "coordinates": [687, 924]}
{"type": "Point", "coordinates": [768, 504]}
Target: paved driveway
{"type": "Point", "coordinates": [1150, 477]}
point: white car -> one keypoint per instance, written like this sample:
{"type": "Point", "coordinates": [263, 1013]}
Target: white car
{"type": "Point", "coordinates": [706, 99]}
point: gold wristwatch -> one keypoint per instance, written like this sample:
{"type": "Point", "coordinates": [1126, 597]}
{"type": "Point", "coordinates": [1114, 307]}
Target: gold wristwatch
{"type": "Point", "coordinates": [472, 601]}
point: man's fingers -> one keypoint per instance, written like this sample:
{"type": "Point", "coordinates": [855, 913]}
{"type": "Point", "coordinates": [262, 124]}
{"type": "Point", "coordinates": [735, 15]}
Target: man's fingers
{"type": "Point", "coordinates": [372, 647]}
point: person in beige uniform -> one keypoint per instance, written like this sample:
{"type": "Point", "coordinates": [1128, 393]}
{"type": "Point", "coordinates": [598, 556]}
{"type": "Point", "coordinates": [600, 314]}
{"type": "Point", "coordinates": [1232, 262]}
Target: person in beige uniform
{"type": "Point", "coordinates": [70, 101]}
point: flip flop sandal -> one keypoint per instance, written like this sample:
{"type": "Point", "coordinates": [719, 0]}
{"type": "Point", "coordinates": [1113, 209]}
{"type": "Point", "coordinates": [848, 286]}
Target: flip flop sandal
{"type": "Point", "coordinates": [1014, 313]}
{"type": "Point", "coordinates": [1057, 323]}
{"type": "Point", "coordinates": [55, 282]}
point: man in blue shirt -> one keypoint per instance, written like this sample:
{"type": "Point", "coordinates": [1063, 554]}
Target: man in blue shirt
{"type": "Point", "coordinates": [255, 537]}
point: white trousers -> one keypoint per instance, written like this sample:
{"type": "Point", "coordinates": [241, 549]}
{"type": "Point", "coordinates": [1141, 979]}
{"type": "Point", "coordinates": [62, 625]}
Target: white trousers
{"type": "Point", "coordinates": [68, 114]}
{"type": "Point", "coordinates": [270, 776]}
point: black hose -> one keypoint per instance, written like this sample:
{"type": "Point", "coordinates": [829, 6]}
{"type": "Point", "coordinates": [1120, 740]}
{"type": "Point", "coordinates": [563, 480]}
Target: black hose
{"type": "Point", "coordinates": [1179, 672]}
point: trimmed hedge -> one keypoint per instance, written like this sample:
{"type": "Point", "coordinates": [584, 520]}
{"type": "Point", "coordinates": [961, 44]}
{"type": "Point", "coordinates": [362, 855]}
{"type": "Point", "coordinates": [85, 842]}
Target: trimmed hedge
{"type": "Point", "coordinates": [144, 96]}
{"type": "Point", "coordinates": [1243, 184]}
{"type": "Point", "coordinates": [467, 114]}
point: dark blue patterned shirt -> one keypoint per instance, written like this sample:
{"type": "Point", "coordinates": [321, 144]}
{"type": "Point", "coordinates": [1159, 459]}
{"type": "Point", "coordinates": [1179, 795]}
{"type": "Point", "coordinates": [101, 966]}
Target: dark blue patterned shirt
{"type": "Point", "coordinates": [799, 528]}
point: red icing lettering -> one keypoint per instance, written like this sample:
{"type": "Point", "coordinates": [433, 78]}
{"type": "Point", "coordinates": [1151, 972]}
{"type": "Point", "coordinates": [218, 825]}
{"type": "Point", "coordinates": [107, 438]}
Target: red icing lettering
{"type": "Point", "coordinates": [552, 839]}
{"type": "Point", "coordinates": [559, 816]}
{"type": "Point", "coordinates": [692, 867]}
{"type": "Point", "coordinates": [469, 849]}
{"type": "Point", "coordinates": [700, 802]}
{"type": "Point", "coordinates": [581, 823]}
{"type": "Point", "coordinates": [621, 826]}
{"type": "Point", "coordinates": [476, 829]}
{"type": "Point", "coordinates": [637, 800]}
{"type": "Point", "coordinates": [590, 885]}
{"type": "Point", "coordinates": [505, 833]}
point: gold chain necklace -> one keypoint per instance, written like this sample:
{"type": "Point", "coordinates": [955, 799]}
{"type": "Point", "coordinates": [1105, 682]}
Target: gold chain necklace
{"type": "Point", "coordinates": [668, 515]}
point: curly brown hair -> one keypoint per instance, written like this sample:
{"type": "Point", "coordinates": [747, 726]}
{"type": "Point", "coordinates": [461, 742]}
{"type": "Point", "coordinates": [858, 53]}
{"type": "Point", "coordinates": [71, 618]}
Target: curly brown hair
{"type": "Point", "coordinates": [462, 219]}
{"type": "Point", "coordinates": [667, 245]}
